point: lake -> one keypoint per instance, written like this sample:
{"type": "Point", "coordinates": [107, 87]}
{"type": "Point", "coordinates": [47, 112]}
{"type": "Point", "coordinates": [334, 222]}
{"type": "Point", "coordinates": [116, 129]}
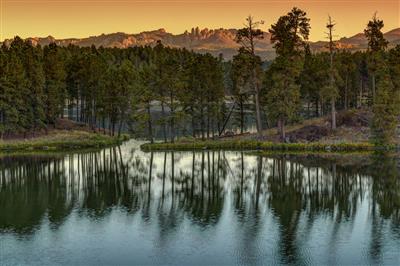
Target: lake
{"type": "Point", "coordinates": [121, 206]}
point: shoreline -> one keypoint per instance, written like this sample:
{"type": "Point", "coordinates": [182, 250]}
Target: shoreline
{"type": "Point", "coordinates": [61, 141]}
{"type": "Point", "coordinates": [251, 145]}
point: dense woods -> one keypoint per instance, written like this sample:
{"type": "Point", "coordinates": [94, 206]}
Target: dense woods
{"type": "Point", "coordinates": [197, 94]}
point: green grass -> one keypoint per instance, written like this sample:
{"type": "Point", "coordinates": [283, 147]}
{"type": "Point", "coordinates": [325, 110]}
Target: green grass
{"type": "Point", "coordinates": [62, 141]}
{"type": "Point", "coordinates": [266, 146]}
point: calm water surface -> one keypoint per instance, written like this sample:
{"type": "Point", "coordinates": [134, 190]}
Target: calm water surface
{"type": "Point", "coordinates": [122, 206]}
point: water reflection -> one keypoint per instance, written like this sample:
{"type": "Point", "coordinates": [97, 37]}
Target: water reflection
{"type": "Point", "coordinates": [257, 209]}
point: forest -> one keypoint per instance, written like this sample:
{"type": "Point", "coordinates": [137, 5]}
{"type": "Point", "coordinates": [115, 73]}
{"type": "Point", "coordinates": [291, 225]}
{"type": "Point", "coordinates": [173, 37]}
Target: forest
{"type": "Point", "coordinates": [196, 94]}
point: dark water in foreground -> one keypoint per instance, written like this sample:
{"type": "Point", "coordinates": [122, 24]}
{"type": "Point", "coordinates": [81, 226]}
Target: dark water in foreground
{"type": "Point", "coordinates": [122, 206]}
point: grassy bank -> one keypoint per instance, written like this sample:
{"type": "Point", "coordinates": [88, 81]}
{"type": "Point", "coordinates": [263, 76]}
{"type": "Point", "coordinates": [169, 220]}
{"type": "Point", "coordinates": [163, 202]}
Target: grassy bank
{"type": "Point", "coordinates": [266, 146]}
{"type": "Point", "coordinates": [61, 141]}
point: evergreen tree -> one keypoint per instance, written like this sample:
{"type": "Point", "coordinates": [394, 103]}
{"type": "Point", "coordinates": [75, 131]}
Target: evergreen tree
{"type": "Point", "coordinates": [33, 66]}
{"type": "Point", "coordinates": [376, 43]}
{"type": "Point", "coordinates": [247, 37]}
{"type": "Point", "coordinates": [283, 91]}
{"type": "Point", "coordinates": [55, 85]}
{"type": "Point", "coordinates": [386, 107]}
{"type": "Point", "coordinates": [13, 89]}
{"type": "Point", "coordinates": [241, 75]}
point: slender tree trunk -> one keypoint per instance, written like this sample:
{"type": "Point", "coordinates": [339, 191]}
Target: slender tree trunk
{"type": "Point", "coordinates": [281, 129]}
{"type": "Point", "coordinates": [121, 121]}
{"type": "Point", "coordinates": [164, 122]}
{"type": "Point", "coordinates": [104, 125]}
{"type": "Point", "coordinates": [373, 88]}
{"type": "Point", "coordinates": [109, 125]}
{"type": "Point", "coordinates": [149, 123]}
{"type": "Point", "coordinates": [208, 120]}
{"type": "Point", "coordinates": [172, 120]}
{"type": "Point", "coordinates": [193, 124]}
{"type": "Point", "coordinates": [93, 122]}
{"type": "Point", "coordinates": [331, 78]}
{"type": "Point", "coordinates": [333, 113]}
{"type": "Point", "coordinates": [255, 85]}
{"type": "Point", "coordinates": [82, 111]}
{"type": "Point", "coordinates": [202, 121]}
{"type": "Point", "coordinates": [258, 111]}
{"type": "Point", "coordinates": [77, 118]}
{"type": "Point", "coordinates": [241, 116]}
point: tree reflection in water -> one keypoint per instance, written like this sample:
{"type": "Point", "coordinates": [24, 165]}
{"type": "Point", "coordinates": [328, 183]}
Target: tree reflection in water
{"type": "Point", "coordinates": [296, 192]}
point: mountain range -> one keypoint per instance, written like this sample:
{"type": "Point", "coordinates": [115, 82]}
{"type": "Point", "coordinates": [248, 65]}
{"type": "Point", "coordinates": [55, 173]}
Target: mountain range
{"type": "Point", "coordinates": [214, 41]}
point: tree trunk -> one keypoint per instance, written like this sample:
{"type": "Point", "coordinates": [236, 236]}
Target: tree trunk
{"type": "Point", "coordinates": [172, 120]}
{"type": "Point", "coordinates": [208, 121]}
{"type": "Point", "coordinates": [241, 116]}
{"type": "Point", "coordinates": [281, 129]}
{"type": "Point", "coordinates": [149, 123]}
{"type": "Point", "coordinates": [82, 111]}
{"type": "Point", "coordinates": [258, 111]}
{"type": "Point", "coordinates": [164, 122]}
{"type": "Point", "coordinates": [373, 88]}
{"type": "Point", "coordinates": [121, 121]}
{"type": "Point", "coordinates": [202, 122]}
{"type": "Point", "coordinates": [193, 125]}
{"type": "Point", "coordinates": [333, 113]}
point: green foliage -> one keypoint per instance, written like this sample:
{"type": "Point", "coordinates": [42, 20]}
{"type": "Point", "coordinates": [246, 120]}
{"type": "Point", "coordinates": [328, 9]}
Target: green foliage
{"type": "Point", "coordinates": [386, 107]}
{"type": "Point", "coordinates": [290, 32]}
{"type": "Point", "coordinates": [55, 87]}
{"type": "Point", "coordinates": [182, 91]}
{"type": "Point", "coordinates": [259, 145]}
{"type": "Point", "coordinates": [373, 32]}
{"type": "Point", "coordinates": [282, 96]}
{"type": "Point", "coordinates": [247, 38]}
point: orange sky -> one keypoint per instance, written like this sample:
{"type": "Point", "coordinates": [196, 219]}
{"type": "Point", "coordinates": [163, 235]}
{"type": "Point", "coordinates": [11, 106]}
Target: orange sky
{"type": "Point", "coordinates": [82, 18]}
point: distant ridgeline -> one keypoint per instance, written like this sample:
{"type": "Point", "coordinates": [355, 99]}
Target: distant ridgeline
{"type": "Point", "coordinates": [214, 41]}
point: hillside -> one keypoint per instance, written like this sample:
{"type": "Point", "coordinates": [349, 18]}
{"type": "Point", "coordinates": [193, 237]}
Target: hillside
{"type": "Point", "coordinates": [214, 41]}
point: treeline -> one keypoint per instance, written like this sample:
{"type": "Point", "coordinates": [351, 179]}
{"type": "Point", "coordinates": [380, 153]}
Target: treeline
{"type": "Point", "coordinates": [108, 88]}
{"type": "Point", "coordinates": [197, 94]}
{"type": "Point", "coordinates": [300, 83]}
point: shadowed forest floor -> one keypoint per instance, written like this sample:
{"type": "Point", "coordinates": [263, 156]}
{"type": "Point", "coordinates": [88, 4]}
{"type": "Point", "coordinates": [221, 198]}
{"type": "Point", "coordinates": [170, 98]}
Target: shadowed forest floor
{"type": "Point", "coordinates": [353, 126]}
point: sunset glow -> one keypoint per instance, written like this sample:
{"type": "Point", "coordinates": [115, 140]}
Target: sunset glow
{"type": "Point", "coordinates": [82, 18]}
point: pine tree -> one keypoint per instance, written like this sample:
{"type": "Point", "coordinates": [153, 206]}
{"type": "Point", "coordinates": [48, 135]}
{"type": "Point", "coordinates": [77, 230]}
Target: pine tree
{"type": "Point", "coordinates": [241, 74]}
{"type": "Point", "coordinates": [14, 89]}
{"type": "Point", "coordinates": [55, 85]}
{"type": "Point", "coordinates": [386, 107]}
{"type": "Point", "coordinates": [332, 88]}
{"type": "Point", "coordinates": [247, 37]}
{"type": "Point", "coordinates": [35, 75]}
{"type": "Point", "coordinates": [376, 43]}
{"type": "Point", "coordinates": [288, 35]}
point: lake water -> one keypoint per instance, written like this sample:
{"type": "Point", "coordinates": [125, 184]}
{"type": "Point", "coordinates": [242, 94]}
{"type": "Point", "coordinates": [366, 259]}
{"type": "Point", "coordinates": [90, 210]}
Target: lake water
{"type": "Point", "coordinates": [121, 206]}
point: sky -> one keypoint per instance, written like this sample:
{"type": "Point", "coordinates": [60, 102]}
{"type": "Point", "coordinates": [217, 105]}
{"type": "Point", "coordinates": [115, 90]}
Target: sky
{"type": "Point", "coordinates": [83, 18]}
